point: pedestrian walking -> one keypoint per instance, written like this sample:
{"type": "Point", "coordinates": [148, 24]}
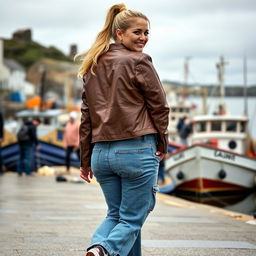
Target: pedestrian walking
{"type": "Point", "coordinates": [123, 131]}
{"type": "Point", "coordinates": [71, 138]}
{"type": "Point", "coordinates": [27, 140]}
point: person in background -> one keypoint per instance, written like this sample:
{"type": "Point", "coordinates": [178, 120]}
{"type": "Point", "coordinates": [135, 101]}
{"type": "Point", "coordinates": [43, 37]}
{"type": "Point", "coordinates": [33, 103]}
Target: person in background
{"type": "Point", "coordinates": [27, 140]}
{"type": "Point", "coordinates": [123, 131]}
{"type": "Point", "coordinates": [1, 140]}
{"type": "Point", "coordinates": [180, 123]}
{"type": "Point", "coordinates": [184, 131]}
{"type": "Point", "coordinates": [71, 138]}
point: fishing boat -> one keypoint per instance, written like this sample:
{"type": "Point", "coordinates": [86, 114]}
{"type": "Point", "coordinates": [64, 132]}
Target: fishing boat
{"type": "Point", "coordinates": [217, 168]}
{"type": "Point", "coordinates": [217, 164]}
{"type": "Point", "coordinates": [50, 134]}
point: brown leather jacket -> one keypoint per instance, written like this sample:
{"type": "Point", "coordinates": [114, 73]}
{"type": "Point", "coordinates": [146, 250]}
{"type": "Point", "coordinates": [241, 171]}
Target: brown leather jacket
{"type": "Point", "coordinates": [125, 99]}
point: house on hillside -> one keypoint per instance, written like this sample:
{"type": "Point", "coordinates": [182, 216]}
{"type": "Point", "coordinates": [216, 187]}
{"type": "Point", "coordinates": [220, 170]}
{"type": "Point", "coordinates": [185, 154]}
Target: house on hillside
{"type": "Point", "coordinates": [13, 76]}
{"type": "Point", "coordinates": [4, 71]}
{"type": "Point", "coordinates": [17, 78]}
{"type": "Point", "coordinates": [60, 80]}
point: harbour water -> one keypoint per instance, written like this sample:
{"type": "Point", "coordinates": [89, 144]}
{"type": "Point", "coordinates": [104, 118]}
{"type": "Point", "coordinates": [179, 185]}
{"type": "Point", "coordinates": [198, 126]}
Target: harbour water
{"type": "Point", "coordinates": [246, 206]}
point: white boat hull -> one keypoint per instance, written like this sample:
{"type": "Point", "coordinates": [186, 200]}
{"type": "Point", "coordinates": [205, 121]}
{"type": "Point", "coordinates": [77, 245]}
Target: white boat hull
{"type": "Point", "coordinates": [202, 172]}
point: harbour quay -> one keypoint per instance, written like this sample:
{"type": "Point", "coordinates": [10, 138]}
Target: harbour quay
{"type": "Point", "coordinates": [40, 216]}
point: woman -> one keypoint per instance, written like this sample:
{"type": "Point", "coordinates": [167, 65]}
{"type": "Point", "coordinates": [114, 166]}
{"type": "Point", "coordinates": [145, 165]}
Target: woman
{"type": "Point", "coordinates": [123, 132]}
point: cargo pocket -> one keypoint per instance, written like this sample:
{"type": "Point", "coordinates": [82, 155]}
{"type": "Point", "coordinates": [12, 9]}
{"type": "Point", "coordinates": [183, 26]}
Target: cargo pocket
{"type": "Point", "coordinates": [153, 201]}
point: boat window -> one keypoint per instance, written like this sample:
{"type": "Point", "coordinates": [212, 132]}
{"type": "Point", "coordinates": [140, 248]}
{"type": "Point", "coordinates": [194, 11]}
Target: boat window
{"type": "Point", "coordinates": [173, 118]}
{"type": "Point", "coordinates": [181, 110]}
{"type": "Point", "coordinates": [231, 126]}
{"type": "Point", "coordinates": [173, 109]}
{"type": "Point", "coordinates": [47, 121]}
{"type": "Point", "coordinates": [187, 110]}
{"type": "Point", "coordinates": [216, 126]}
{"type": "Point", "coordinates": [200, 127]}
{"type": "Point", "coordinates": [242, 126]}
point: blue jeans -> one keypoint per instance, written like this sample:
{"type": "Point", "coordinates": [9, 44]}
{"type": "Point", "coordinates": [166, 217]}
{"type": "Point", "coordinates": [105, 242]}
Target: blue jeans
{"type": "Point", "coordinates": [24, 163]}
{"type": "Point", "coordinates": [127, 173]}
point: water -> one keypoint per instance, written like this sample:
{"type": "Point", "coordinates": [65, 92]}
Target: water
{"type": "Point", "coordinates": [247, 205]}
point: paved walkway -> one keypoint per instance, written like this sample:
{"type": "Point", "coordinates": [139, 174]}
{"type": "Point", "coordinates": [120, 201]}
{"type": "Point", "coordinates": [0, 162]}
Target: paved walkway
{"type": "Point", "coordinates": [39, 216]}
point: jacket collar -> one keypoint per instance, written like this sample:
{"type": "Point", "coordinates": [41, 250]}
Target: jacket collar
{"type": "Point", "coordinates": [117, 46]}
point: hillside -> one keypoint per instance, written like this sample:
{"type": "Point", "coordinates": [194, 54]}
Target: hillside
{"type": "Point", "coordinates": [27, 53]}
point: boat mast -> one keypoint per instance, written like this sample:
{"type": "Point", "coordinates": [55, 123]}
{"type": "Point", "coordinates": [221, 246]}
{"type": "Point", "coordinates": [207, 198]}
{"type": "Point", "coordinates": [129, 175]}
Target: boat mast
{"type": "Point", "coordinates": [186, 73]}
{"type": "Point", "coordinates": [221, 71]}
{"type": "Point", "coordinates": [42, 71]}
{"type": "Point", "coordinates": [245, 86]}
{"type": "Point", "coordinates": [247, 141]}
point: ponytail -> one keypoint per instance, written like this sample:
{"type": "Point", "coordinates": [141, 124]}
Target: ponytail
{"type": "Point", "coordinates": [101, 44]}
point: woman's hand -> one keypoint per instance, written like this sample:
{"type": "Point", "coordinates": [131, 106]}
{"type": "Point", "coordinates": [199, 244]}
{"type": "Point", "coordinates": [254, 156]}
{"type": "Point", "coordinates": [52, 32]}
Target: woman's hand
{"type": "Point", "coordinates": [86, 174]}
{"type": "Point", "coordinates": [160, 154]}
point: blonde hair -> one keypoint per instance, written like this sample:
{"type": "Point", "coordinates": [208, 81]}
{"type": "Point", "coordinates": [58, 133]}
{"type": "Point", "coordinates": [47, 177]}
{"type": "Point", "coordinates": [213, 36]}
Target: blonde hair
{"type": "Point", "coordinates": [118, 17]}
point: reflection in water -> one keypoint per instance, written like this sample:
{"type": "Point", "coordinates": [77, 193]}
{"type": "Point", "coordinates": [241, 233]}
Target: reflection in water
{"type": "Point", "coordinates": [247, 205]}
{"type": "Point", "coordinates": [238, 202]}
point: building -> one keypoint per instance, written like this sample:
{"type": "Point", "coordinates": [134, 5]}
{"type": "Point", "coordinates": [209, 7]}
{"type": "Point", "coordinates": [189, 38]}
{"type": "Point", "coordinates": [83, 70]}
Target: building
{"type": "Point", "coordinates": [17, 78]}
{"type": "Point", "coordinates": [60, 79]}
{"type": "Point", "coordinates": [23, 35]}
{"type": "Point", "coordinates": [4, 71]}
{"type": "Point", "coordinates": [13, 76]}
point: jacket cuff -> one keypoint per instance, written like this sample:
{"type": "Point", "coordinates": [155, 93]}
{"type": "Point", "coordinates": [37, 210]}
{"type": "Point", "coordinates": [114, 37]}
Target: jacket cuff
{"type": "Point", "coordinates": [162, 144]}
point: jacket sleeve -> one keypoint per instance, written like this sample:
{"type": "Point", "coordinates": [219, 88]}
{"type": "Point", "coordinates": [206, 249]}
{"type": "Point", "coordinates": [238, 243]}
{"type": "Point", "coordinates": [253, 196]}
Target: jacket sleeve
{"type": "Point", "coordinates": [149, 83]}
{"type": "Point", "coordinates": [85, 134]}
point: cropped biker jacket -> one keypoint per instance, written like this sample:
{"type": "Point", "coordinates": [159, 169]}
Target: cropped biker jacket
{"type": "Point", "coordinates": [123, 100]}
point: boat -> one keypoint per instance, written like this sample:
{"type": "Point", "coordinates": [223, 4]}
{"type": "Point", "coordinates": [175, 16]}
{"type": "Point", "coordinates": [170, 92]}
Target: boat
{"type": "Point", "coordinates": [217, 168]}
{"type": "Point", "coordinates": [216, 165]}
{"type": "Point", "coordinates": [50, 135]}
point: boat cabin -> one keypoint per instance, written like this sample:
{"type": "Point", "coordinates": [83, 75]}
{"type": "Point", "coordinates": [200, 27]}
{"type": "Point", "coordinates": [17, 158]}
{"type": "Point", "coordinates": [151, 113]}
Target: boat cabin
{"type": "Point", "coordinates": [177, 111]}
{"type": "Point", "coordinates": [223, 131]}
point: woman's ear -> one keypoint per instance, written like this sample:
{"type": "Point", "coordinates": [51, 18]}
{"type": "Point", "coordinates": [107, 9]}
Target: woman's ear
{"type": "Point", "coordinates": [119, 35]}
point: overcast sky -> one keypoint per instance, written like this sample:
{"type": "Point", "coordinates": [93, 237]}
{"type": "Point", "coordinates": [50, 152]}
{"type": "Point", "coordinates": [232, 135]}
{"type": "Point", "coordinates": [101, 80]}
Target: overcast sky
{"type": "Point", "coordinates": [201, 29]}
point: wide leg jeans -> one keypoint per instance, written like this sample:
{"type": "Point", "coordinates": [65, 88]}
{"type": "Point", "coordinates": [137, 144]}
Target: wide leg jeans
{"type": "Point", "coordinates": [127, 173]}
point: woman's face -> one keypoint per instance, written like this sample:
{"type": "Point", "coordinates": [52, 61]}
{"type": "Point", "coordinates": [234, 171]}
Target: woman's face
{"type": "Point", "coordinates": [136, 36]}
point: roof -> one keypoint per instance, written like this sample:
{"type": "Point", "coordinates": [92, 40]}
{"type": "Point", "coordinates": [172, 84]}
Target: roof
{"type": "Point", "coordinates": [34, 114]}
{"type": "Point", "coordinates": [56, 65]}
{"type": "Point", "coordinates": [13, 65]}
{"type": "Point", "coordinates": [220, 118]}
